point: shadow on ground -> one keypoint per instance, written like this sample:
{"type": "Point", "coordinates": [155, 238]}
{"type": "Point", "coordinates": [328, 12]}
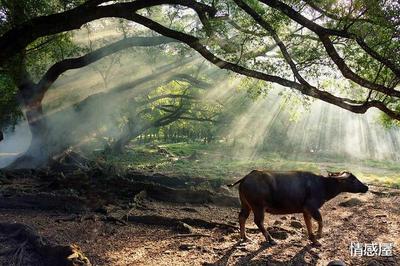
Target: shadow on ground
{"type": "Point", "coordinates": [298, 259]}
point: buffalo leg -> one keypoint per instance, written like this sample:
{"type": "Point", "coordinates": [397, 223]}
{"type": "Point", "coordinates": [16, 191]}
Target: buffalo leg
{"type": "Point", "coordinates": [307, 220]}
{"type": "Point", "coordinates": [243, 215]}
{"type": "Point", "coordinates": [320, 225]}
{"type": "Point", "coordinates": [318, 217]}
{"type": "Point", "coordinates": [259, 221]}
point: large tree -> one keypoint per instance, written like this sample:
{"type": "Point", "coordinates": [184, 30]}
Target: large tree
{"type": "Point", "coordinates": [345, 53]}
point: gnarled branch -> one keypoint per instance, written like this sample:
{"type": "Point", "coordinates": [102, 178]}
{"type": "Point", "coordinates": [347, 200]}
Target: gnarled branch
{"type": "Point", "coordinates": [196, 44]}
{"type": "Point", "coordinates": [20, 37]}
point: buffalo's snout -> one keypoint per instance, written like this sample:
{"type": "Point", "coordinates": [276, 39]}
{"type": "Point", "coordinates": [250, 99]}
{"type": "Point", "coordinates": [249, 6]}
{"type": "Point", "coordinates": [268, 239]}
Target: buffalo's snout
{"type": "Point", "coordinates": [360, 187]}
{"type": "Point", "coordinates": [355, 185]}
{"type": "Point", "coordinates": [364, 189]}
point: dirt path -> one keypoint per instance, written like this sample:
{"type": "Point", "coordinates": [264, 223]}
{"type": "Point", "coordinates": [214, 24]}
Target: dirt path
{"type": "Point", "coordinates": [375, 219]}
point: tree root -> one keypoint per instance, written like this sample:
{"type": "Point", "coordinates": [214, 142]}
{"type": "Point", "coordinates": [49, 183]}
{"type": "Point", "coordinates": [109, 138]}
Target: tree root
{"type": "Point", "coordinates": [19, 254]}
{"type": "Point", "coordinates": [168, 194]}
{"type": "Point", "coordinates": [96, 188]}
{"type": "Point", "coordinates": [275, 231]}
{"type": "Point", "coordinates": [174, 222]}
{"type": "Point", "coordinates": [30, 247]}
{"type": "Point", "coordinates": [43, 201]}
{"type": "Point", "coordinates": [172, 181]}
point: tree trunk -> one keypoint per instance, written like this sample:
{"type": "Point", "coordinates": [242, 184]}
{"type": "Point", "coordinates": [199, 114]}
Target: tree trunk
{"type": "Point", "coordinates": [127, 135]}
{"type": "Point", "coordinates": [38, 153]}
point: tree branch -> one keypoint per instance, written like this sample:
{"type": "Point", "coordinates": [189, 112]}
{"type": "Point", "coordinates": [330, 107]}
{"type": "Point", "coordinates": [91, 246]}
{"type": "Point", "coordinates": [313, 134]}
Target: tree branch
{"type": "Point", "coordinates": [200, 119]}
{"type": "Point", "coordinates": [334, 16]}
{"type": "Point", "coordinates": [348, 73]}
{"type": "Point", "coordinates": [182, 117]}
{"type": "Point", "coordinates": [268, 27]}
{"type": "Point", "coordinates": [325, 33]}
{"type": "Point", "coordinates": [195, 43]}
{"type": "Point", "coordinates": [21, 36]}
{"type": "Point", "coordinates": [170, 96]}
{"type": "Point", "coordinates": [73, 63]}
{"type": "Point", "coordinates": [18, 38]}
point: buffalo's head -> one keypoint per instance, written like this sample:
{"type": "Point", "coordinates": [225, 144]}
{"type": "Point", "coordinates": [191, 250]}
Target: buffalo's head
{"type": "Point", "coordinates": [349, 182]}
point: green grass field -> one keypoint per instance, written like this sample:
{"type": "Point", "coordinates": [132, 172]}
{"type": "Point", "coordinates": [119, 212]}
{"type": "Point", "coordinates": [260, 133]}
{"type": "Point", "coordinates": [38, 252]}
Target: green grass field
{"type": "Point", "coordinates": [217, 162]}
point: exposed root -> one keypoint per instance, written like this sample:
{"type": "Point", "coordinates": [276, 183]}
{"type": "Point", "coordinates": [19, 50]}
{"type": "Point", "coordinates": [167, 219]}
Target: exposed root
{"type": "Point", "coordinates": [43, 201]}
{"type": "Point", "coordinates": [31, 249]}
{"type": "Point", "coordinates": [19, 255]}
{"type": "Point", "coordinates": [174, 222]}
{"type": "Point", "coordinates": [168, 194]}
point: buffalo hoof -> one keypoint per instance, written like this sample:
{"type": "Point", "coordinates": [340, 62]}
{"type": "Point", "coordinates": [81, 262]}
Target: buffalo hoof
{"type": "Point", "coordinates": [270, 242]}
{"type": "Point", "coordinates": [316, 244]}
{"type": "Point", "coordinates": [245, 239]}
{"type": "Point", "coordinates": [313, 238]}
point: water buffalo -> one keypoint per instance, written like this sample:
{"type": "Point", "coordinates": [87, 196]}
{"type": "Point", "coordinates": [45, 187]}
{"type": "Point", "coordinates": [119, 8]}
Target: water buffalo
{"type": "Point", "coordinates": [291, 192]}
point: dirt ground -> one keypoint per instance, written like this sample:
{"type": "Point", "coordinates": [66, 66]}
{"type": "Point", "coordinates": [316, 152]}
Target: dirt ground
{"type": "Point", "coordinates": [374, 219]}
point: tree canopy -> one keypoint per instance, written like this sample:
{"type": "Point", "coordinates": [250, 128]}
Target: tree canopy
{"type": "Point", "coordinates": [345, 53]}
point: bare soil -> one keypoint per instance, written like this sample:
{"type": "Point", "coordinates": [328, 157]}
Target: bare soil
{"type": "Point", "coordinates": [214, 238]}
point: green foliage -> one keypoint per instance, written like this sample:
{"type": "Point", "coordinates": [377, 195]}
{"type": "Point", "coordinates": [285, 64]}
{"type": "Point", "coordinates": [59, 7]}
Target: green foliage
{"type": "Point", "coordinates": [16, 12]}
{"type": "Point", "coordinates": [388, 122]}
{"type": "Point", "coordinates": [216, 162]}
{"type": "Point", "coordinates": [36, 58]}
{"type": "Point", "coordinates": [243, 42]}
{"type": "Point", "coordinates": [10, 112]}
{"type": "Point", "coordinates": [254, 88]}
{"type": "Point", "coordinates": [46, 51]}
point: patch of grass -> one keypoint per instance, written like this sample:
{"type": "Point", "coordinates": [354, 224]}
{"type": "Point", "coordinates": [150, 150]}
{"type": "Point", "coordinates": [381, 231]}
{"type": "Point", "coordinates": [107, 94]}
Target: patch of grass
{"type": "Point", "coordinates": [185, 149]}
{"type": "Point", "coordinates": [217, 162]}
{"type": "Point", "coordinates": [389, 181]}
